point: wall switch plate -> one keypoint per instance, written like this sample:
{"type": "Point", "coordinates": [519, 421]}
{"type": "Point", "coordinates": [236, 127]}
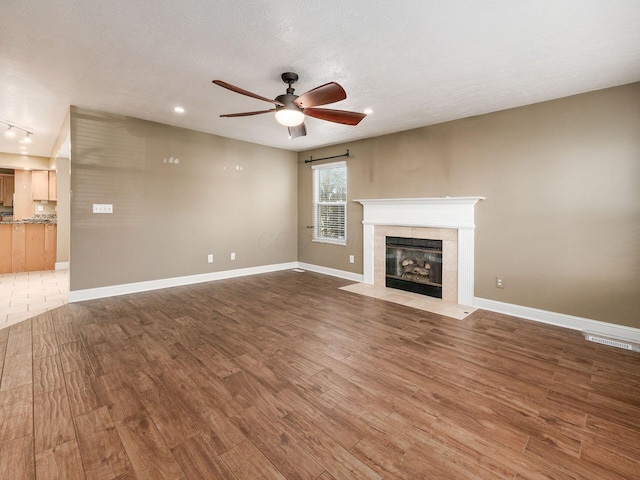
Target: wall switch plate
{"type": "Point", "coordinates": [102, 208]}
{"type": "Point", "coordinates": [210, 258]}
{"type": "Point", "coordinates": [499, 282]}
{"type": "Point", "coordinates": [40, 208]}
{"type": "Point", "coordinates": [351, 259]}
{"type": "Point", "coordinates": [233, 256]}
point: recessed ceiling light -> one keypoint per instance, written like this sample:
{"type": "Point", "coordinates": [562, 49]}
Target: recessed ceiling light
{"type": "Point", "coordinates": [179, 109]}
{"type": "Point", "coordinates": [368, 111]}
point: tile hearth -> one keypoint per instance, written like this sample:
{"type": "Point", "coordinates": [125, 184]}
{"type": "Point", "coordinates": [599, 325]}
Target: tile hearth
{"type": "Point", "coordinates": [414, 300]}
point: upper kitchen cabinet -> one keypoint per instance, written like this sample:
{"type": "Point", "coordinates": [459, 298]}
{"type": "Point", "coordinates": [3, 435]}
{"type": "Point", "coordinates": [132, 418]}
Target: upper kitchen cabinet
{"type": "Point", "coordinates": [53, 186]}
{"type": "Point", "coordinates": [40, 185]}
{"type": "Point", "coordinates": [32, 186]}
{"type": "Point", "coordinates": [44, 185]}
{"type": "Point", "coordinates": [6, 190]}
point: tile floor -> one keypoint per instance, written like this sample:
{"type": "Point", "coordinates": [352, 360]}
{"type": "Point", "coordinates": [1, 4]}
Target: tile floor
{"type": "Point", "coordinates": [25, 295]}
{"type": "Point", "coordinates": [421, 302]}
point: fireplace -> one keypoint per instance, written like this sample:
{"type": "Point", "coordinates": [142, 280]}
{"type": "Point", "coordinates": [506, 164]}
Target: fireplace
{"type": "Point", "coordinates": [414, 265]}
{"type": "Point", "coordinates": [449, 219]}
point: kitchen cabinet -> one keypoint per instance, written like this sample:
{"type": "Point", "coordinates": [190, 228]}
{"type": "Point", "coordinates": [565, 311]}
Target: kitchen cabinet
{"type": "Point", "coordinates": [40, 185]}
{"type": "Point", "coordinates": [6, 191]}
{"type": "Point", "coordinates": [44, 185]}
{"type": "Point", "coordinates": [5, 248]}
{"type": "Point", "coordinates": [18, 259]}
{"type": "Point", "coordinates": [27, 247]}
{"type": "Point", "coordinates": [34, 247]}
{"type": "Point", "coordinates": [53, 186]}
{"type": "Point", "coordinates": [50, 246]}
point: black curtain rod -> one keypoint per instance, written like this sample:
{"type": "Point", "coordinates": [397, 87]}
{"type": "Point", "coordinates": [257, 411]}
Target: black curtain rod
{"type": "Point", "coordinates": [311, 159]}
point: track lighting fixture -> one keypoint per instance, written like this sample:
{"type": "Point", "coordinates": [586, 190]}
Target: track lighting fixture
{"type": "Point", "coordinates": [11, 132]}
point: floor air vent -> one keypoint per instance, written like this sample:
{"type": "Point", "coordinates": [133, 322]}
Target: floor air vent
{"type": "Point", "coordinates": [299, 270]}
{"type": "Point", "coordinates": [609, 342]}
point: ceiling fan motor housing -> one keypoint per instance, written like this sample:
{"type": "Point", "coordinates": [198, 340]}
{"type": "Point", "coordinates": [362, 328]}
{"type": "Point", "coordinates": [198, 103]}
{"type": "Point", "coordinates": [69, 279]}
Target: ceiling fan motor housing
{"type": "Point", "coordinates": [287, 100]}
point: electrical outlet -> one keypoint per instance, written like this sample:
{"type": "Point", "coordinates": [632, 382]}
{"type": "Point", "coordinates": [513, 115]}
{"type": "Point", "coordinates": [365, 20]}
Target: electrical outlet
{"type": "Point", "coordinates": [499, 282]}
{"type": "Point", "coordinates": [210, 258]}
{"type": "Point", "coordinates": [233, 255]}
{"type": "Point", "coordinates": [351, 259]}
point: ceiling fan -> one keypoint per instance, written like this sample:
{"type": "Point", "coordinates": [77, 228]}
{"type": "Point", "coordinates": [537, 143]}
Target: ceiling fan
{"type": "Point", "coordinates": [290, 109]}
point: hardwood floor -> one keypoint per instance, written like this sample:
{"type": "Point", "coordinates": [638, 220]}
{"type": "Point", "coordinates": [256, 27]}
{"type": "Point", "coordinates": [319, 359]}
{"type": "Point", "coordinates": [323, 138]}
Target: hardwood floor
{"type": "Point", "coordinates": [284, 376]}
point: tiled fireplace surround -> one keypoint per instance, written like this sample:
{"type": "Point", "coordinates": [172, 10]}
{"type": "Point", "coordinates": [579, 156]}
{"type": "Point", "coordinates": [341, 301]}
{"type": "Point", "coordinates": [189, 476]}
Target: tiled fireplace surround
{"type": "Point", "coordinates": [450, 219]}
{"type": "Point", "coordinates": [449, 239]}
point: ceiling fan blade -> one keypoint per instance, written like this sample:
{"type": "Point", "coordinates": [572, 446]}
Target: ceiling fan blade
{"type": "Point", "coordinates": [246, 114]}
{"type": "Point", "coordinates": [336, 116]}
{"type": "Point", "coordinates": [241, 91]}
{"type": "Point", "coordinates": [324, 94]}
{"type": "Point", "coordinates": [297, 131]}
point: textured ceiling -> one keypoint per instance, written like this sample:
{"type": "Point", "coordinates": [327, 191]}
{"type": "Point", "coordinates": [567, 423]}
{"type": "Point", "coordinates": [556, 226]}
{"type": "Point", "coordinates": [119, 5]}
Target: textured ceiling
{"type": "Point", "coordinates": [414, 63]}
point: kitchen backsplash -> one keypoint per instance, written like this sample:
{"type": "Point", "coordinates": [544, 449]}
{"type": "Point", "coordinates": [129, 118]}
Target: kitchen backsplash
{"type": "Point", "coordinates": [48, 208]}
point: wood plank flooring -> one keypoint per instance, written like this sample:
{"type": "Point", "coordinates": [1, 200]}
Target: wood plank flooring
{"type": "Point", "coordinates": [284, 376]}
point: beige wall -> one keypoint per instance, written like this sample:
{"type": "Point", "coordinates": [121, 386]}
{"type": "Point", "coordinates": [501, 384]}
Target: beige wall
{"type": "Point", "coordinates": [224, 196]}
{"type": "Point", "coordinates": [63, 209]}
{"type": "Point", "coordinates": [60, 162]}
{"type": "Point", "coordinates": [561, 222]}
{"type": "Point", "coordinates": [20, 162]}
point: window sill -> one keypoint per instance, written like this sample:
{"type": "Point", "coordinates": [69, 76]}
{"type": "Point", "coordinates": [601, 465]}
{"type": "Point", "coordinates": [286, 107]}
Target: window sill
{"type": "Point", "coordinates": [330, 242]}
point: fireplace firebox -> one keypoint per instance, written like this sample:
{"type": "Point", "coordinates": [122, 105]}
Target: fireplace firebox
{"type": "Point", "coordinates": [414, 265]}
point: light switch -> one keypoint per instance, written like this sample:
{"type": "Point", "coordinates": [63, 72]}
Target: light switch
{"type": "Point", "coordinates": [102, 208]}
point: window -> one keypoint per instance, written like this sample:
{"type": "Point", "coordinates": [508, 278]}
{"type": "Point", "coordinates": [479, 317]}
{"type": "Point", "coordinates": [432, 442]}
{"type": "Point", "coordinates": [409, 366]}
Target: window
{"type": "Point", "coordinates": [330, 203]}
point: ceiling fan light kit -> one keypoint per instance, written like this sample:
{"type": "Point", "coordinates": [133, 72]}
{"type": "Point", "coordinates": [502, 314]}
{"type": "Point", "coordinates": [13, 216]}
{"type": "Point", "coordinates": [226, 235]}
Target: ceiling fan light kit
{"type": "Point", "coordinates": [291, 109]}
{"type": "Point", "coordinates": [288, 117]}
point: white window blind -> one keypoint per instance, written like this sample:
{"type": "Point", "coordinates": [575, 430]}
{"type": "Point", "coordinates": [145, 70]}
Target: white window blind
{"type": "Point", "coordinates": [330, 203]}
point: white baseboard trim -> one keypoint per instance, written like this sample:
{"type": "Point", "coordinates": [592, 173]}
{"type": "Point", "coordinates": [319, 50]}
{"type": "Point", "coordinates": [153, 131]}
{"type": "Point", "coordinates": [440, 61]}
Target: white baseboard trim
{"type": "Point", "coordinates": [560, 319]}
{"type": "Point", "coordinates": [62, 266]}
{"type": "Point", "coordinates": [114, 290]}
{"type": "Point", "coordinates": [356, 277]}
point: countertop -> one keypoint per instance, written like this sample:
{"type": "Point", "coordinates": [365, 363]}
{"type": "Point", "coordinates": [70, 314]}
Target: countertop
{"type": "Point", "coordinates": [45, 221]}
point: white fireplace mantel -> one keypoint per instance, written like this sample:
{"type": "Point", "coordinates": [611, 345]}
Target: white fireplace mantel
{"type": "Point", "coordinates": [439, 212]}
